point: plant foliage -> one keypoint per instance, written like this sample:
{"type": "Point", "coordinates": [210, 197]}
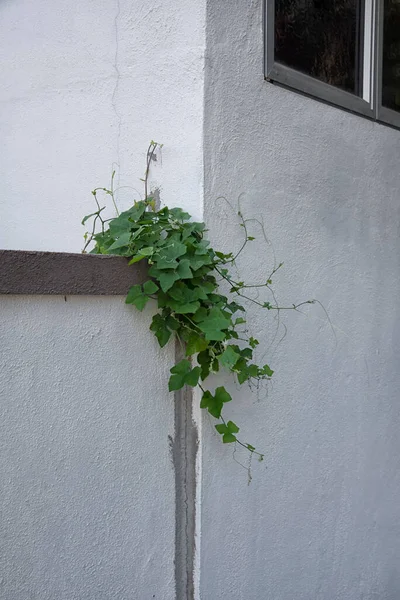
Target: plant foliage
{"type": "Point", "coordinates": [184, 277]}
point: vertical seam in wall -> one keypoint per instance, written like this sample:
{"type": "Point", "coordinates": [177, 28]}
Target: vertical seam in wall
{"type": "Point", "coordinates": [116, 88]}
{"type": "Point", "coordinates": [184, 449]}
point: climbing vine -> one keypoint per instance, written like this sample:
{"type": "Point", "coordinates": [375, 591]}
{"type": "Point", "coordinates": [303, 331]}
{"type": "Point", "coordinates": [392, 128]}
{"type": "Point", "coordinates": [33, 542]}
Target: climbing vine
{"type": "Point", "coordinates": [185, 274]}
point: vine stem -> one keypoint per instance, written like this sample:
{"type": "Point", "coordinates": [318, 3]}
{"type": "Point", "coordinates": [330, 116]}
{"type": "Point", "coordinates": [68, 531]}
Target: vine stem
{"type": "Point", "coordinates": [150, 153]}
{"type": "Point", "coordinates": [243, 444]}
{"type": "Point", "coordinates": [112, 193]}
{"type": "Point", "coordinates": [270, 307]}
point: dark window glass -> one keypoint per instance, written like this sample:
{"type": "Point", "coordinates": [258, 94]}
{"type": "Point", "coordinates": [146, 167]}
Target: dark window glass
{"type": "Point", "coordinates": [321, 38]}
{"type": "Point", "coordinates": [391, 56]}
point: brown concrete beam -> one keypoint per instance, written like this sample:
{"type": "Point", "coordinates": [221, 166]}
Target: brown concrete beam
{"type": "Point", "coordinates": [29, 272]}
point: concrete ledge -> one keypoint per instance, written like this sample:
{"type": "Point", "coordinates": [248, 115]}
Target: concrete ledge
{"type": "Point", "coordinates": [26, 272]}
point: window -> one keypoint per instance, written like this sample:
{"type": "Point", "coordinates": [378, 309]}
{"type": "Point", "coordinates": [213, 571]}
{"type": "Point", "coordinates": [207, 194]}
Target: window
{"type": "Point", "coordinates": [345, 52]}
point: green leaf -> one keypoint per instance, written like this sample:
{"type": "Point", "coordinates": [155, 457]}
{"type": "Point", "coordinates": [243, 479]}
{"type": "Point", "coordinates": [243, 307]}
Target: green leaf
{"type": "Point", "coordinates": [253, 371]}
{"type": "Point", "coordinates": [214, 324]}
{"type": "Point", "coordinates": [184, 270]}
{"type": "Point", "coordinates": [195, 344]}
{"type": "Point", "coordinates": [234, 307]}
{"type": "Point", "coordinates": [228, 358]}
{"type": "Point", "coordinates": [222, 395]}
{"type": "Point", "coordinates": [160, 329]}
{"type": "Point", "coordinates": [150, 287]}
{"type": "Point", "coordinates": [200, 292]}
{"type": "Point", "coordinates": [92, 215]}
{"type": "Point", "coordinates": [179, 214]}
{"type": "Point", "coordinates": [172, 323]}
{"type": "Point", "coordinates": [137, 210]}
{"type": "Point", "coordinates": [167, 279]}
{"type": "Point", "coordinates": [202, 247]}
{"type": "Point", "coordinates": [182, 367]}
{"type": "Point", "coordinates": [123, 240]}
{"type": "Point", "coordinates": [121, 224]}
{"type": "Point", "coordinates": [192, 378]}
{"type": "Point", "coordinates": [140, 302]}
{"type": "Point", "coordinates": [247, 353]}
{"type": "Point", "coordinates": [228, 438]}
{"type": "Point", "coordinates": [214, 403]}
{"type": "Point", "coordinates": [206, 399]}
{"type": "Point", "coordinates": [208, 286]}
{"type": "Point", "coordinates": [221, 428]}
{"type": "Point", "coordinates": [266, 370]}
{"type": "Point", "coordinates": [227, 431]}
{"type": "Point", "coordinates": [253, 342]}
{"type": "Point", "coordinates": [239, 321]}
{"type": "Point", "coordinates": [136, 259]}
{"type": "Point", "coordinates": [138, 232]}
{"type": "Point", "coordinates": [242, 376]}
{"type": "Point", "coordinates": [173, 250]}
{"type": "Point", "coordinates": [179, 371]}
{"type": "Point", "coordinates": [213, 406]}
{"type": "Point", "coordinates": [134, 292]}
{"type": "Point", "coordinates": [200, 315]}
{"type": "Point", "coordinates": [232, 427]}
{"type": "Point", "coordinates": [136, 297]}
{"type": "Point", "coordinates": [196, 262]}
{"type": "Point", "coordinates": [183, 309]}
{"type": "Point", "coordinates": [182, 374]}
{"type": "Point", "coordinates": [162, 299]}
{"type": "Point", "coordinates": [166, 263]}
{"type": "Point", "coordinates": [147, 251]}
{"type": "Point", "coordinates": [204, 360]}
{"type": "Point", "coordinates": [182, 293]}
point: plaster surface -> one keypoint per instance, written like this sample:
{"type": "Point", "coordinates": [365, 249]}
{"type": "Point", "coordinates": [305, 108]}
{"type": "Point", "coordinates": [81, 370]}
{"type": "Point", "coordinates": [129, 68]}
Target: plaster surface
{"type": "Point", "coordinates": [321, 518]}
{"type": "Point", "coordinates": [86, 86]}
{"type": "Point", "coordinates": [88, 484]}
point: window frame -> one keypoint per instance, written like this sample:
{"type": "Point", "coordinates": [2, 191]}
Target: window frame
{"type": "Point", "coordinates": [369, 103]}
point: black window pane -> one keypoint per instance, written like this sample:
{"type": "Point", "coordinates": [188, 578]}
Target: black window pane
{"type": "Point", "coordinates": [391, 56]}
{"type": "Point", "coordinates": [322, 39]}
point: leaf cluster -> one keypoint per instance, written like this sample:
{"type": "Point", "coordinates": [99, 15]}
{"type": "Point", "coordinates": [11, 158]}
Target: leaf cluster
{"type": "Point", "coordinates": [184, 277]}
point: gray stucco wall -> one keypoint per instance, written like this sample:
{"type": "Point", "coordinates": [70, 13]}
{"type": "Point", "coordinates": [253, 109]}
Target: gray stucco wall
{"type": "Point", "coordinates": [321, 519]}
{"type": "Point", "coordinates": [88, 498]}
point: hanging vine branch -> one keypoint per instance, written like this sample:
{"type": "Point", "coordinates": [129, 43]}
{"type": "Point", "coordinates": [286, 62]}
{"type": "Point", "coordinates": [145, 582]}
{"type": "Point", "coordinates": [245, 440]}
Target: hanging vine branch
{"type": "Point", "coordinates": [184, 277]}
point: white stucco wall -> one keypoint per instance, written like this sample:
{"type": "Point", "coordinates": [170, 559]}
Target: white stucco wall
{"type": "Point", "coordinates": [86, 85]}
{"type": "Point", "coordinates": [321, 518]}
{"type": "Point", "coordinates": [88, 487]}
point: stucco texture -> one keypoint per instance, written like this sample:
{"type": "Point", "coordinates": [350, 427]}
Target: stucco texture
{"type": "Point", "coordinates": [321, 518]}
{"type": "Point", "coordinates": [88, 492]}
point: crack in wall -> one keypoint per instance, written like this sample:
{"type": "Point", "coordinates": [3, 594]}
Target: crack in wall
{"type": "Point", "coordinates": [116, 88]}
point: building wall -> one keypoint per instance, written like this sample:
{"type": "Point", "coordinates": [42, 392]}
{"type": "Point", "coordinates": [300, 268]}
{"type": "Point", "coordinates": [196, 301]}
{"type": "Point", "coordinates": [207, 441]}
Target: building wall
{"type": "Point", "coordinates": [88, 490]}
{"type": "Point", "coordinates": [88, 508]}
{"type": "Point", "coordinates": [85, 87]}
{"type": "Point", "coordinates": [321, 517]}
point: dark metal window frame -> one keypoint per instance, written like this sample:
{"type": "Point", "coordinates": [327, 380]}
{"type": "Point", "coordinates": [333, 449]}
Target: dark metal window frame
{"type": "Point", "coordinates": [372, 107]}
